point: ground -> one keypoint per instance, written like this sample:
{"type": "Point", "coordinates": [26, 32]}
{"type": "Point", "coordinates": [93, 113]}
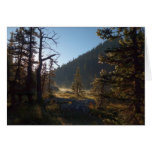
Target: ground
{"type": "Point", "coordinates": [65, 108]}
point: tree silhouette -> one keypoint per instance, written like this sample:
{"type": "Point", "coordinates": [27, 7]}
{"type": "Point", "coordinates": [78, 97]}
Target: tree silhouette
{"type": "Point", "coordinates": [45, 39]}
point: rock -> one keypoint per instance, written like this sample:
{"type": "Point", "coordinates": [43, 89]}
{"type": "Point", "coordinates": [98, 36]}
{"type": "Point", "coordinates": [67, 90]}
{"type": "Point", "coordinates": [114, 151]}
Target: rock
{"type": "Point", "coordinates": [74, 105]}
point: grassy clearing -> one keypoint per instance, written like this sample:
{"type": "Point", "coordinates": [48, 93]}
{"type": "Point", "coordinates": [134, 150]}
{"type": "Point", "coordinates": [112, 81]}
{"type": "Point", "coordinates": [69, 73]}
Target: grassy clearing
{"type": "Point", "coordinates": [67, 93]}
{"type": "Point", "coordinates": [112, 114]}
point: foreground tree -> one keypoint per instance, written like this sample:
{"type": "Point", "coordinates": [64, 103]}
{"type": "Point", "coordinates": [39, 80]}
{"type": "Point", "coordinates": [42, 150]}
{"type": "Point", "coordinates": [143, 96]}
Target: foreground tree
{"type": "Point", "coordinates": [30, 34]}
{"type": "Point", "coordinates": [45, 41]}
{"type": "Point", "coordinates": [77, 84]}
{"type": "Point", "coordinates": [26, 72]}
{"type": "Point", "coordinates": [16, 63]}
{"type": "Point", "coordinates": [127, 80]}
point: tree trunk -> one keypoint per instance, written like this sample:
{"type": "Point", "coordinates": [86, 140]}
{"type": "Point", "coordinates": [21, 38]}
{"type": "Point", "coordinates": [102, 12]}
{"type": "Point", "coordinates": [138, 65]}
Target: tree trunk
{"type": "Point", "coordinates": [39, 87]}
{"type": "Point", "coordinates": [138, 90]}
{"type": "Point", "coordinates": [17, 75]}
{"type": "Point", "coordinates": [29, 70]}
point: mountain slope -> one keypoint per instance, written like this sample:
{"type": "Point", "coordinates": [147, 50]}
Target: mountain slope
{"type": "Point", "coordinates": [88, 64]}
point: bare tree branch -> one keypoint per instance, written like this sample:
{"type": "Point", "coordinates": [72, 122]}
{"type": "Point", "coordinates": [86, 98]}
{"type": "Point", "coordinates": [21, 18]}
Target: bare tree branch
{"type": "Point", "coordinates": [49, 57]}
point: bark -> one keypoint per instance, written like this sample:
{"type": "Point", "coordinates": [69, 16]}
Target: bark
{"type": "Point", "coordinates": [39, 87]}
{"type": "Point", "coordinates": [138, 90]}
{"type": "Point", "coordinates": [40, 82]}
{"type": "Point", "coordinates": [29, 69]}
{"type": "Point", "coordinates": [17, 75]}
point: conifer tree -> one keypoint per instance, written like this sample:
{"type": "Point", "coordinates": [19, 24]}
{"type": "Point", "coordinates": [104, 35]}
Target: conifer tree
{"type": "Point", "coordinates": [20, 51]}
{"type": "Point", "coordinates": [10, 70]}
{"type": "Point", "coordinates": [127, 80]}
{"type": "Point", "coordinates": [51, 75]}
{"type": "Point", "coordinates": [30, 34]}
{"type": "Point", "coordinates": [16, 64]}
{"type": "Point", "coordinates": [44, 76]}
{"type": "Point", "coordinates": [16, 50]}
{"type": "Point", "coordinates": [77, 84]}
{"type": "Point", "coordinates": [10, 58]}
{"type": "Point", "coordinates": [98, 89]}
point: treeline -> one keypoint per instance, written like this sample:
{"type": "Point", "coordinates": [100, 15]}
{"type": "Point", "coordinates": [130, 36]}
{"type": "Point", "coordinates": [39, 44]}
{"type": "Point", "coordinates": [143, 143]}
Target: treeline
{"type": "Point", "coordinates": [88, 64]}
{"type": "Point", "coordinates": [29, 70]}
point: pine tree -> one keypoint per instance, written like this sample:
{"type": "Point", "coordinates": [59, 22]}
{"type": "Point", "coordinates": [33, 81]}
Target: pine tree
{"type": "Point", "coordinates": [16, 64]}
{"type": "Point", "coordinates": [30, 34]}
{"type": "Point", "coordinates": [16, 50]}
{"type": "Point", "coordinates": [10, 69]}
{"type": "Point", "coordinates": [77, 84]}
{"type": "Point", "coordinates": [127, 80]}
{"type": "Point", "coordinates": [51, 75]}
{"type": "Point", "coordinates": [98, 89]}
{"type": "Point", "coordinates": [44, 76]}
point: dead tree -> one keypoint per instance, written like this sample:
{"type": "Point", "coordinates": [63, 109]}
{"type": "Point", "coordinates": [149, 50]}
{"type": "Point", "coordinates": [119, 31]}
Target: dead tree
{"type": "Point", "coordinates": [44, 44]}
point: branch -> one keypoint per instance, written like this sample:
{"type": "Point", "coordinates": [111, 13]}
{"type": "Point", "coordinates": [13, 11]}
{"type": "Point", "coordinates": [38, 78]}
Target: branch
{"type": "Point", "coordinates": [49, 57]}
{"type": "Point", "coordinates": [51, 38]}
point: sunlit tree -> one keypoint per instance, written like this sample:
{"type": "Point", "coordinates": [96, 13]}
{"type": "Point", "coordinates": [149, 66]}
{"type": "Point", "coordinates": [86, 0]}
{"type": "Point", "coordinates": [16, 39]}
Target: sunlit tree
{"type": "Point", "coordinates": [77, 83]}
{"type": "Point", "coordinates": [127, 80]}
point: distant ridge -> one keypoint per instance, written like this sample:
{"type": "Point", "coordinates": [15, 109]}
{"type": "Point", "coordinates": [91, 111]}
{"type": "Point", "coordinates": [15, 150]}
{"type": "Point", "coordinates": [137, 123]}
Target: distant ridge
{"type": "Point", "coordinates": [88, 64]}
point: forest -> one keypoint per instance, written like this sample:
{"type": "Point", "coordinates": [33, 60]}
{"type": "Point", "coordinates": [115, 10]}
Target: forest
{"type": "Point", "coordinates": [104, 86]}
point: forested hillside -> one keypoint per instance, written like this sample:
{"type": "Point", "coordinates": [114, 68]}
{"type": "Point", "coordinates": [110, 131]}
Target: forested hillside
{"type": "Point", "coordinates": [88, 64]}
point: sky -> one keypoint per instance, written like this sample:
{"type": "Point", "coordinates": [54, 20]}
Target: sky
{"type": "Point", "coordinates": [72, 41]}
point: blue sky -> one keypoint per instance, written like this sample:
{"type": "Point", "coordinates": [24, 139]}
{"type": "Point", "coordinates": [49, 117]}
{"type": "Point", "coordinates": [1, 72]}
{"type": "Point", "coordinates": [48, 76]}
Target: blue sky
{"type": "Point", "coordinates": [73, 41]}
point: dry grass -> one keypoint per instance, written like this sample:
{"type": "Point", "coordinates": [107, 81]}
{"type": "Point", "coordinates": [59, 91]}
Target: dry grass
{"type": "Point", "coordinates": [119, 106]}
{"type": "Point", "coordinates": [67, 93]}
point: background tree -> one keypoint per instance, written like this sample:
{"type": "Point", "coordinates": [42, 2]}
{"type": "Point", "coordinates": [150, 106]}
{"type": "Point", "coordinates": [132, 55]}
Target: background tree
{"type": "Point", "coordinates": [77, 84]}
{"type": "Point", "coordinates": [44, 76]}
{"type": "Point", "coordinates": [99, 91]}
{"type": "Point", "coordinates": [51, 82]}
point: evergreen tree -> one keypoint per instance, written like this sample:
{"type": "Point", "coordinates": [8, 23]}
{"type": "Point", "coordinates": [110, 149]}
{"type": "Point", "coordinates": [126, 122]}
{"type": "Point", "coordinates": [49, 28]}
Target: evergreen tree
{"type": "Point", "coordinates": [16, 64]}
{"type": "Point", "coordinates": [50, 79]}
{"type": "Point", "coordinates": [127, 80]}
{"type": "Point", "coordinates": [77, 84]}
{"type": "Point", "coordinates": [18, 51]}
{"type": "Point", "coordinates": [43, 76]}
{"type": "Point", "coordinates": [10, 69]}
{"type": "Point", "coordinates": [98, 89]}
{"type": "Point", "coordinates": [24, 69]}
{"type": "Point", "coordinates": [31, 51]}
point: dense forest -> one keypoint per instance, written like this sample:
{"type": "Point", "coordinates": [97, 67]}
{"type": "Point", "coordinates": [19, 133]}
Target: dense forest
{"type": "Point", "coordinates": [90, 68]}
{"type": "Point", "coordinates": [104, 86]}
